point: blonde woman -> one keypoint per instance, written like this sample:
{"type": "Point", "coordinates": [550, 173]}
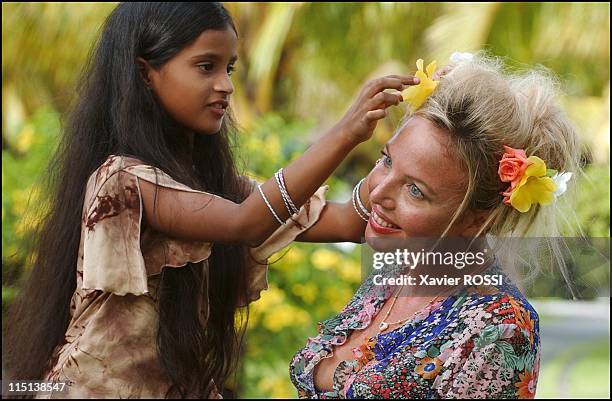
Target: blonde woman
{"type": "Point", "coordinates": [476, 158]}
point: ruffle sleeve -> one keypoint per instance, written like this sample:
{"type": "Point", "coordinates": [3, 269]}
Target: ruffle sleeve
{"type": "Point", "coordinates": [115, 257]}
{"type": "Point", "coordinates": [308, 215]}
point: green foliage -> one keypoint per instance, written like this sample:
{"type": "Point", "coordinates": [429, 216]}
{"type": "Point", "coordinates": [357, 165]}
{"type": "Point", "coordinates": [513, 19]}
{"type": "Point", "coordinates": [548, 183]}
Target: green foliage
{"type": "Point", "coordinates": [23, 174]}
{"type": "Point", "coordinates": [593, 201]}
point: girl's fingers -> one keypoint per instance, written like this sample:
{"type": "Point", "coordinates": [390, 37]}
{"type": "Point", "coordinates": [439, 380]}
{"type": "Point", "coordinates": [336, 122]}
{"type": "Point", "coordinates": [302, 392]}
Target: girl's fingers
{"type": "Point", "coordinates": [406, 79]}
{"type": "Point", "coordinates": [374, 115]}
{"type": "Point", "coordinates": [385, 99]}
{"type": "Point", "coordinates": [389, 82]}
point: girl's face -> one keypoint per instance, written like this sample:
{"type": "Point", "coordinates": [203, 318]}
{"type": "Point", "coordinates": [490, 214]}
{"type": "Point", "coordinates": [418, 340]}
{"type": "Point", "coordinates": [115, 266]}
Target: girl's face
{"type": "Point", "coordinates": [195, 85]}
{"type": "Point", "coordinates": [417, 186]}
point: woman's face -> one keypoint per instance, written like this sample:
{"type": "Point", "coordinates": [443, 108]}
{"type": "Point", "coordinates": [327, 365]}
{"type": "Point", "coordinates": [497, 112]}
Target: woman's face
{"type": "Point", "coordinates": [195, 85]}
{"type": "Point", "coordinates": [417, 186]}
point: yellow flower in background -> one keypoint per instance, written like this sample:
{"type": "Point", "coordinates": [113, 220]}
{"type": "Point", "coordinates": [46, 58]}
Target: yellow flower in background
{"type": "Point", "coordinates": [294, 257]}
{"type": "Point", "coordinates": [272, 147]}
{"type": "Point", "coordinates": [416, 95]}
{"type": "Point", "coordinates": [270, 298]}
{"type": "Point", "coordinates": [25, 138]}
{"type": "Point", "coordinates": [336, 297]}
{"type": "Point", "coordinates": [534, 187]}
{"type": "Point", "coordinates": [308, 292]}
{"type": "Point", "coordinates": [324, 259]}
{"type": "Point", "coordinates": [284, 316]}
{"type": "Point", "coordinates": [349, 271]}
{"type": "Point", "coordinates": [276, 385]}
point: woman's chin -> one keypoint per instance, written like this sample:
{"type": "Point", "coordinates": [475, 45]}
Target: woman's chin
{"type": "Point", "coordinates": [383, 241]}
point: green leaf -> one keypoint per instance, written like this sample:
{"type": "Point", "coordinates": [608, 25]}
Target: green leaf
{"type": "Point", "coordinates": [488, 336]}
{"type": "Point", "coordinates": [433, 351]}
{"type": "Point", "coordinates": [509, 357]}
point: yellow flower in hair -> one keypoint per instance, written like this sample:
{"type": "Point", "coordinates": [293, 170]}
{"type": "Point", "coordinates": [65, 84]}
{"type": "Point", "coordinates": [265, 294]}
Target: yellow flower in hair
{"type": "Point", "coordinates": [416, 95]}
{"type": "Point", "coordinates": [534, 187]}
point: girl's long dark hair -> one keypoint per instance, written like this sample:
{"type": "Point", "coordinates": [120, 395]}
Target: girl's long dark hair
{"type": "Point", "coordinates": [116, 114]}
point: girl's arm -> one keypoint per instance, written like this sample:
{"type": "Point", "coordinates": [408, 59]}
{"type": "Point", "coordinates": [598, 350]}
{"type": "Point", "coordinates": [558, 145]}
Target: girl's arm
{"type": "Point", "coordinates": [204, 217]}
{"type": "Point", "coordinates": [339, 222]}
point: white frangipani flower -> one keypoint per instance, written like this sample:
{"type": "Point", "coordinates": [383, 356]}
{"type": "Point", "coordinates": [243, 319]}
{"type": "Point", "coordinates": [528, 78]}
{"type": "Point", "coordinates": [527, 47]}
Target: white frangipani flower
{"type": "Point", "coordinates": [561, 180]}
{"type": "Point", "coordinates": [458, 57]}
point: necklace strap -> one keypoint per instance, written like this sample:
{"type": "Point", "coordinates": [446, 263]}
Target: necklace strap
{"type": "Point", "coordinates": [384, 325]}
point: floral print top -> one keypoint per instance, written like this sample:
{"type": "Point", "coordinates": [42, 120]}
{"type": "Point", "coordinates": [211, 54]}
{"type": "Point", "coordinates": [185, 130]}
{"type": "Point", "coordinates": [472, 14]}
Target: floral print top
{"type": "Point", "coordinates": [481, 342]}
{"type": "Point", "coordinates": [109, 350]}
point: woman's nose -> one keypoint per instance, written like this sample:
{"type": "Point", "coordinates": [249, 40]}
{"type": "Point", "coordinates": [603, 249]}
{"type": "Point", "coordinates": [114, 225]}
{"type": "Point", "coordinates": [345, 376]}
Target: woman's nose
{"type": "Point", "coordinates": [383, 194]}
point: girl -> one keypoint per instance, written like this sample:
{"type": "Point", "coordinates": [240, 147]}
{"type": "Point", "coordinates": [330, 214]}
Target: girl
{"type": "Point", "coordinates": [144, 179]}
{"type": "Point", "coordinates": [447, 173]}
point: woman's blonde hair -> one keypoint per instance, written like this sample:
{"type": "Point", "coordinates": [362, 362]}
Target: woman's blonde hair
{"type": "Point", "coordinates": [483, 107]}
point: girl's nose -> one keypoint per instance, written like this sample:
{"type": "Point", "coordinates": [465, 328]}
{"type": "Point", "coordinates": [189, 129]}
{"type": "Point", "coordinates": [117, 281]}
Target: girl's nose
{"type": "Point", "coordinates": [224, 84]}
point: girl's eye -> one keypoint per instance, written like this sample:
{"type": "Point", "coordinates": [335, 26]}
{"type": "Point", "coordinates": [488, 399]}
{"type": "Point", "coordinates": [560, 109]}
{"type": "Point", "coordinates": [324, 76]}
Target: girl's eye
{"type": "Point", "coordinates": [415, 191]}
{"type": "Point", "coordinates": [206, 67]}
{"type": "Point", "coordinates": [230, 70]}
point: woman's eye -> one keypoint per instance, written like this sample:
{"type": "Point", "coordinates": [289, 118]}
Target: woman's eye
{"type": "Point", "coordinates": [415, 191]}
{"type": "Point", "coordinates": [386, 160]}
{"type": "Point", "coordinates": [206, 67]}
{"type": "Point", "coordinates": [230, 70]}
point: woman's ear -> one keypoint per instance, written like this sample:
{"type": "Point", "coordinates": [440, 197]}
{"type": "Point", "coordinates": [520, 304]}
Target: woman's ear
{"type": "Point", "coordinates": [145, 70]}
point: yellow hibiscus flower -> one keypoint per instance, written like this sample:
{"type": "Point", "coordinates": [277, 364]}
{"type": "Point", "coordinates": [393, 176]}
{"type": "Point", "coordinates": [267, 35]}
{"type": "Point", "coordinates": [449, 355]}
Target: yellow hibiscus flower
{"type": "Point", "coordinates": [534, 187]}
{"type": "Point", "coordinates": [416, 95]}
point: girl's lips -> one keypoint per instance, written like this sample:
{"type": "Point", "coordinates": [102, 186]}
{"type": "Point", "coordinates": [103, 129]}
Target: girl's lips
{"type": "Point", "coordinates": [380, 229]}
{"type": "Point", "coordinates": [220, 112]}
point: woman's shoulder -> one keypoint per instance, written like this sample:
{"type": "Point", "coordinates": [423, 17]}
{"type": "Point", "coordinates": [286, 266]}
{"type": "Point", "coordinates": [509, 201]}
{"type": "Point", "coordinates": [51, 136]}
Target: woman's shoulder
{"type": "Point", "coordinates": [501, 296]}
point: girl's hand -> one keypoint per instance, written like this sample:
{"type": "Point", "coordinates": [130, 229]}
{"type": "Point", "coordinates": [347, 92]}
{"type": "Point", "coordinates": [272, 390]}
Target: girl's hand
{"type": "Point", "coordinates": [371, 104]}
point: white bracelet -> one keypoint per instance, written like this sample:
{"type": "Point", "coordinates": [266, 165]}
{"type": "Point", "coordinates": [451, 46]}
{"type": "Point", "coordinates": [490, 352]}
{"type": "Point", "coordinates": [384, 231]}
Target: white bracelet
{"type": "Point", "coordinates": [280, 188]}
{"type": "Point", "coordinates": [283, 189]}
{"type": "Point", "coordinates": [269, 206]}
{"type": "Point", "coordinates": [364, 210]}
{"type": "Point", "coordinates": [293, 207]}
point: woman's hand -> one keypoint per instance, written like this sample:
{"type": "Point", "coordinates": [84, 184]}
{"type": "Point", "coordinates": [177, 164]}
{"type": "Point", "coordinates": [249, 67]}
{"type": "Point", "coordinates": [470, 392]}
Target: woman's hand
{"type": "Point", "coordinates": [371, 104]}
